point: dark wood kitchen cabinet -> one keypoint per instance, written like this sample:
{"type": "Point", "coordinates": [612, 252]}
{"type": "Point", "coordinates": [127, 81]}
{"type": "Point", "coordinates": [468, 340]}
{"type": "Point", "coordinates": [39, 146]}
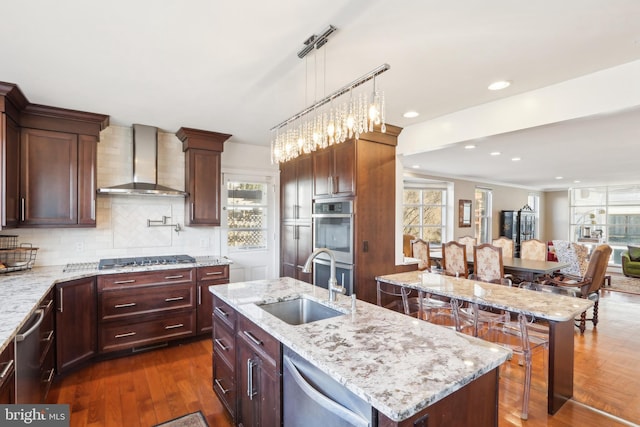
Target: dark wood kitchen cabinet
{"type": "Point", "coordinates": [259, 374]}
{"type": "Point", "coordinates": [203, 152]}
{"type": "Point", "coordinates": [136, 310]}
{"type": "Point", "coordinates": [76, 323]}
{"type": "Point", "coordinates": [7, 376]}
{"type": "Point", "coordinates": [47, 348]}
{"type": "Point", "coordinates": [207, 276]}
{"type": "Point", "coordinates": [224, 354]}
{"type": "Point", "coordinates": [296, 187]}
{"type": "Point", "coordinates": [50, 162]}
{"type": "Point", "coordinates": [334, 170]}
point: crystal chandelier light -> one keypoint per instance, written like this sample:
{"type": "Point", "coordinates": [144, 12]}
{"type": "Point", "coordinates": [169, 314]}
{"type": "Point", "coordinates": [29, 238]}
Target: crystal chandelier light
{"type": "Point", "coordinates": [346, 113]}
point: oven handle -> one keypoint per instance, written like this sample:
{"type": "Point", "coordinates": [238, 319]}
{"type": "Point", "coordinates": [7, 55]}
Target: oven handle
{"type": "Point", "coordinates": [332, 216]}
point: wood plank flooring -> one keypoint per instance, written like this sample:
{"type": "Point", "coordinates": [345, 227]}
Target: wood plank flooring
{"type": "Point", "coordinates": [153, 387]}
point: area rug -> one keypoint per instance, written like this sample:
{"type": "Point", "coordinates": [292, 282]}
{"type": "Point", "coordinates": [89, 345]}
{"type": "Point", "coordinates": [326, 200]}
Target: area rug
{"type": "Point", "coordinates": [622, 283]}
{"type": "Point", "coordinates": [195, 419]}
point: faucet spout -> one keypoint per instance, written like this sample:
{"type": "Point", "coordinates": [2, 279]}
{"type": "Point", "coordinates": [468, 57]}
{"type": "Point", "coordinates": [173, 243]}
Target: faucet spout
{"type": "Point", "coordinates": [333, 283]}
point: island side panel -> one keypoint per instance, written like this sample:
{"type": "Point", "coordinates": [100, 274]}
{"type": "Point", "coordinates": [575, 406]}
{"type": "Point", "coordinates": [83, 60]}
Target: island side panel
{"type": "Point", "coordinates": [560, 387]}
{"type": "Point", "coordinates": [476, 404]}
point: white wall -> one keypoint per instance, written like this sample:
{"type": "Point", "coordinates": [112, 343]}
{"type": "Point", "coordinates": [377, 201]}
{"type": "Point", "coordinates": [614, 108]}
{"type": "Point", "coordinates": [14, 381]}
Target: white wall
{"type": "Point", "coordinates": [121, 220]}
{"type": "Point", "coordinates": [556, 213]}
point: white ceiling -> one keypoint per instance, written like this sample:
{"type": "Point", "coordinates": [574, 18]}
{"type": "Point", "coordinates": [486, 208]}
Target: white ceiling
{"type": "Point", "coordinates": [232, 67]}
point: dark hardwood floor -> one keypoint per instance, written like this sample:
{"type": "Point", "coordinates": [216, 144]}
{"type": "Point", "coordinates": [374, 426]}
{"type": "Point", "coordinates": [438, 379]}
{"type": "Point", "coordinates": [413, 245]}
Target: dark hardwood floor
{"type": "Point", "coordinates": [150, 388]}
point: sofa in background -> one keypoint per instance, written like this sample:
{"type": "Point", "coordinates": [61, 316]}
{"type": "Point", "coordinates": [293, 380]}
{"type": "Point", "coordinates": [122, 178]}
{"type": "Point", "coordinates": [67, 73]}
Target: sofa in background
{"type": "Point", "coordinates": [631, 261]}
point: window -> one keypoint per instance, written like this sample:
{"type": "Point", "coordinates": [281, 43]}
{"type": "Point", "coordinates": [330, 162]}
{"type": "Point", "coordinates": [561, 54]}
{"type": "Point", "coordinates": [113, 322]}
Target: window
{"type": "Point", "coordinates": [247, 215]}
{"type": "Point", "coordinates": [425, 212]}
{"type": "Point", "coordinates": [483, 215]}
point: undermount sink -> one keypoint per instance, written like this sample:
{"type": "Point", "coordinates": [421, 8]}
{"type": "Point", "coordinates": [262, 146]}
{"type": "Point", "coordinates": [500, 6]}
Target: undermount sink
{"type": "Point", "coordinates": [299, 311]}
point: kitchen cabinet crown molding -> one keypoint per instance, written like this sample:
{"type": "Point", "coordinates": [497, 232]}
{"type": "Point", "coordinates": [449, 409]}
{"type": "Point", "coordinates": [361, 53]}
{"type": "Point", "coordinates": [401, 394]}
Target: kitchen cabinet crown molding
{"type": "Point", "coordinates": [202, 139]}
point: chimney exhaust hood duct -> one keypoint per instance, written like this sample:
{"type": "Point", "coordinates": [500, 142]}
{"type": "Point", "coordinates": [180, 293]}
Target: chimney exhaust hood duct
{"type": "Point", "coordinates": [145, 167]}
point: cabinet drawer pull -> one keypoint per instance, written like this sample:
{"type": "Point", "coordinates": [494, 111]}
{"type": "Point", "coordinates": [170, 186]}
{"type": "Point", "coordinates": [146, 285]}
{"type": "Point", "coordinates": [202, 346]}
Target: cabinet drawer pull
{"type": "Point", "coordinates": [199, 295]}
{"type": "Point", "coordinates": [179, 276]}
{"type": "Point", "coordinates": [255, 340]}
{"type": "Point", "coordinates": [173, 299]}
{"type": "Point", "coordinates": [122, 282]}
{"type": "Point", "coordinates": [214, 273]}
{"type": "Point", "coordinates": [49, 377]}
{"type": "Point", "coordinates": [221, 312]}
{"type": "Point", "coordinates": [6, 369]}
{"type": "Point", "coordinates": [47, 305]}
{"type": "Point", "coordinates": [128, 304]}
{"type": "Point", "coordinates": [250, 392]}
{"type": "Point", "coordinates": [221, 344]}
{"type": "Point", "coordinates": [219, 384]}
{"type": "Point", "coordinates": [177, 325]}
{"type": "Point", "coordinates": [49, 336]}
{"type": "Point", "coordinates": [22, 202]}
{"type": "Point", "coordinates": [127, 334]}
{"type": "Point", "coordinates": [61, 295]}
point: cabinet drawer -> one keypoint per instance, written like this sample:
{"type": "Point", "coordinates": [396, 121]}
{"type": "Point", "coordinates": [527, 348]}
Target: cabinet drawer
{"type": "Point", "coordinates": [224, 313]}
{"type": "Point", "coordinates": [47, 333]}
{"type": "Point", "coordinates": [214, 272]}
{"type": "Point", "coordinates": [130, 302]}
{"type": "Point", "coordinates": [224, 384]}
{"type": "Point", "coordinates": [122, 335]}
{"type": "Point", "coordinates": [224, 343]}
{"type": "Point", "coordinates": [162, 277]}
{"type": "Point", "coordinates": [47, 371]}
{"type": "Point", "coordinates": [259, 340]}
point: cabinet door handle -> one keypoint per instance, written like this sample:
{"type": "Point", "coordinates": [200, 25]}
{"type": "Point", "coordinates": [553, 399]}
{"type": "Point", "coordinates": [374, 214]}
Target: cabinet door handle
{"type": "Point", "coordinates": [126, 334]}
{"type": "Point", "coordinates": [22, 208]}
{"type": "Point", "coordinates": [93, 209]}
{"type": "Point", "coordinates": [179, 276]}
{"type": "Point", "coordinates": [128, 304]}
{"type": "Point", "coordinates": [173, 299]}
{"type": "Point", "coordinates": [214, 273]}
{"type": "Point", "coordinates": [49, 377]}
{"type": "Point", "coordinates": [193, 207]}
{"type": "Point", "coordinates": [250, 392]}
{"type": "Point", "coordinates": [221, 312]}
{"type": "Point", "coordinates": [199, 295]}
{"type": "Point", "coordinates": [255, 340]}
{"type": "Point", "coordinates": [7, 368]}
{"type": "Point", "coordinates": [49, 336]}
{"type": "Point", "coordinates": [47, 305]}
{"type": "Point", "coordinates": [177, 325]}
{"type": "Point", "coordinates": [222, 389]}
{"type": "Point", "coordinates": [61, 295]}
{"type": "Point", "coordinates": [329, 185]}
{"type": "Point", "coordinates": [221, 344]}
{"type": "Point", "coordinates": [122, 282]}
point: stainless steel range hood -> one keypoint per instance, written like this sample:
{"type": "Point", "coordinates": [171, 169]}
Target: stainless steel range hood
{"type": "Point", "coordinates": [145, 167]}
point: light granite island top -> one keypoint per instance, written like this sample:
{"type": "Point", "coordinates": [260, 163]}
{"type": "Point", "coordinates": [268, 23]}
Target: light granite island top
{"type": "Point", "coordinates": [399, 364]}
{"type": "Point", "coordinates": [21, 292]}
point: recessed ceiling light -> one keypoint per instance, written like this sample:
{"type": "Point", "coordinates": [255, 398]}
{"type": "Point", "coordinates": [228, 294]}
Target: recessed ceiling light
{"type": "Point", "coordinates": [499, 85]}
{"type": "Point", "coordinates": [495, 153]}
{"type": "Point", "coordinates": [559, 177]}
{"type": "Point", "coordinates": [515, 159]}
{"type": "Point", "coordinates": [416, 166]}
{"type": "Point", "coordinates": [576, 181]}
{"type": "Point", "coordinates": [411, 114]}
{"type": "Point", "coordinates": [469, 147]}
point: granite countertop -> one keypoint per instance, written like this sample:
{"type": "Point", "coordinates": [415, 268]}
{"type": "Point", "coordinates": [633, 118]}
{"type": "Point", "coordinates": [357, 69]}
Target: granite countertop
{"type": "Point", "coordinates": [397, 363]}
{"type": "Point", "coordinates": [21, 292]}
{"type": "Point", "coordinates": [543, 305]}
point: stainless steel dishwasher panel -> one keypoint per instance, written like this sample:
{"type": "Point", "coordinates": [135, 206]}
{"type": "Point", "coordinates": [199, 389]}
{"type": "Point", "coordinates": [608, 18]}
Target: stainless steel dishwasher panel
{"type": "Point", "coordinates": [313, 399]}
{"type": "Point", "coordinates": [28, 360]}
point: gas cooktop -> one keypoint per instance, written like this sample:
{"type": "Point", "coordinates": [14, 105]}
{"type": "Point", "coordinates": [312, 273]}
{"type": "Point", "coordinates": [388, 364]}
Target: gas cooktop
{"type": "Point", "coordinates": [109, 263]}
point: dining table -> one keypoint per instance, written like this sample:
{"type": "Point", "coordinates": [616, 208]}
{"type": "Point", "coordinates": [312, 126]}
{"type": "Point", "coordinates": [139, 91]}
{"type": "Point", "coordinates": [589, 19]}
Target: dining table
{"type": "Point", "coordinates": [558, 310]}
{"type": "Point", "coordinates": [525, 269]}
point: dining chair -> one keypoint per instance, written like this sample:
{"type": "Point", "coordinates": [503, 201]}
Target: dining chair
{"type": "Point", "coordinates": [534, 250]}
{"type": "Point", "coordinates": [488, 265]}
{"type": "Point", "coordinates": [574, 254]}
{"type": "Point", "coordinates": [396, 298]}
{"type": "Point", "coordinates": [420, 251]}
{"type": "Point", "coordinates": [587, 286]}
{"type": "Point", "coordinates": [469, 242]}
{"type": "Point", "coordinates": [454, 259]}
{"type": "Point", "coordinates": [506, 244]}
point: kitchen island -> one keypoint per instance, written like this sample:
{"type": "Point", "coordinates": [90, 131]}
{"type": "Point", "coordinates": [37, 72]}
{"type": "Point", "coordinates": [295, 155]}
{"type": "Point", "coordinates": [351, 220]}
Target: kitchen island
{"type": "Point", "coordinates": [402, 366]}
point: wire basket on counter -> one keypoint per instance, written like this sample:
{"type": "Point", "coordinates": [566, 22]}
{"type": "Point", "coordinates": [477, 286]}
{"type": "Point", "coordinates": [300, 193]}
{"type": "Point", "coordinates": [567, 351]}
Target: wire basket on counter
{"type": "Point", "coordinates": [14, 257]}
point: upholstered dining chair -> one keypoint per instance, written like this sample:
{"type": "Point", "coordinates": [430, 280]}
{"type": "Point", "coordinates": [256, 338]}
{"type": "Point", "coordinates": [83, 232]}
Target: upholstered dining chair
{"type": "Point", "coordinates": [454, 259]}
{"type": "Point", "coordinates": [587, 286]}
{"type": "Point", "coordinates": [534, 250]}
{"type": "Point", "coordinates": [574, 254]}
{"type": "Point", "coordinates": [488, 265]}
{"type": "Point", "coordinates": [469, 242]}
{"type": "Point", "coordinates": [506, 244]}
{"type": "Point", "coordinates": [420, 251]}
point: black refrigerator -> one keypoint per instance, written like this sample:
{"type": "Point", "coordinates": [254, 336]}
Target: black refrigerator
{"type": "Point", "coordinates": [518, 226]}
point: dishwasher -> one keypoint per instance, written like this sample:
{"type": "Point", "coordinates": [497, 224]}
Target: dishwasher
{"type": "Point", "coordinates": [28, 360]}
{"type": "Point", "coordinates": [311, 398]}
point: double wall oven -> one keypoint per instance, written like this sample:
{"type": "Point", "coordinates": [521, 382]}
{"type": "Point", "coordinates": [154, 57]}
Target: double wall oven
{"type": "Point", "coordinates": [333, 229]}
